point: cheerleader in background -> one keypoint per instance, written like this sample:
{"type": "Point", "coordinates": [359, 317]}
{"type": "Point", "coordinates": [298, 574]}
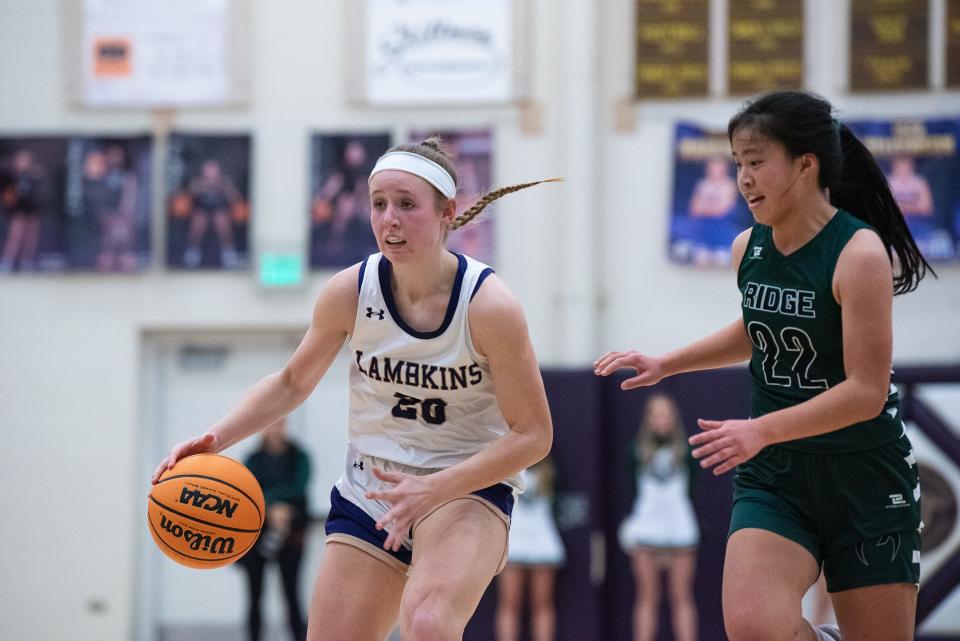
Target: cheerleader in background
{"type": "Point", "coordinates": [535, 554]}
{"type": "Point", "coordinates": [661, 533]}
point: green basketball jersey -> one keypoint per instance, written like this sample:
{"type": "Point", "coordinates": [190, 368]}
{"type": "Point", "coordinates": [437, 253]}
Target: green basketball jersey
{"type": "Point", "coordinates": [794, 323]}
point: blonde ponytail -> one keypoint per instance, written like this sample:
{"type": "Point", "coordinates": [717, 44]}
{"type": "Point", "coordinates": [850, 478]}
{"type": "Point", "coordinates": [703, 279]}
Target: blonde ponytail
{"type": "Point", "coordinates": [488, 198]}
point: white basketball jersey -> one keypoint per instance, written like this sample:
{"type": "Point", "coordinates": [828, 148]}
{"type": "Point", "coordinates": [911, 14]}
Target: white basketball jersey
{"type": "Point", "coordinates": [419, 398]}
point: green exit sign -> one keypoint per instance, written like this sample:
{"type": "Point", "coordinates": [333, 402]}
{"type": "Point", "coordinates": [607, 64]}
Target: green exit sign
{"type": "Point", "coordinates": [281, 269]}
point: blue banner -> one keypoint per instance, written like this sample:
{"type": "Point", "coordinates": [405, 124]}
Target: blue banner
{"type": "Point", "coordinates": [919, 159]}
{"type": "Point", "coordinates": [707, 211]}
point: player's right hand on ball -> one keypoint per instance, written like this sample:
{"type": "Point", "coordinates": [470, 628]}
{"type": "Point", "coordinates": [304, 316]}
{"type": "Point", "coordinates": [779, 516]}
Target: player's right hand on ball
{"type": "Point", "coordinates": [204, 444]}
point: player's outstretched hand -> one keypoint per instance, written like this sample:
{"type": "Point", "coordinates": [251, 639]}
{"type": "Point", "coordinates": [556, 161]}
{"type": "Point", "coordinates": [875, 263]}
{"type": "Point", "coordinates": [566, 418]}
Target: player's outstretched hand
{"type": "Point", "coordinates": [410, 498]}
{"type": "Point", "coordinates": [725, 444]}
{"type": "Point", "coordinates": [203, 444]}
{"type": "Point", "coordinates": [649, 369]}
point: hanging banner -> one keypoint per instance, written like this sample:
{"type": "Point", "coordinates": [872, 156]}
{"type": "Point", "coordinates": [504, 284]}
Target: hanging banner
{"type": "Point", "coordinates": [918, 157]}
{"type": "Point", "coordinates": [889, 47]}
{"type": "Point", "coordinates": [75, 203]}
{"type": "Point", "coordinates": [208, 202]}
{"type": "Point", "coordinates": [340, 164]}
{"type": "Point", "coordinates": [32, 221]}
{"type": "Point", "coordinates": [438, 52]}
{"type": "Point", "coordinates": [953, 43]}
{"type": "Point", "coordinates": [920, 161]}
{"type": "Point", "coordinates": [671, 52]}
{"type": "Point", "coordinates": [766, 46]}
{"type": "Point", "coordinates": [156, 53]}
{"type": "Point", "coordinates": [473, 159]}
{"type": "Point", "coordinates": [107, 205]}
{"type": "Point", "coordinates": [707, 211]}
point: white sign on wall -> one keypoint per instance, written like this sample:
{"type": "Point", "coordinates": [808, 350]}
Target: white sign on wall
{"type": "Point", "coordinates": [156, 52]}
{"type": "Point", "coordinates": [439, 52]}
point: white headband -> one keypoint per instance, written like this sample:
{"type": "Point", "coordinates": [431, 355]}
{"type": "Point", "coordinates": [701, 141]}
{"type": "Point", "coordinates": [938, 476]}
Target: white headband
{"type": "Point", "coordinates": [418, 166]}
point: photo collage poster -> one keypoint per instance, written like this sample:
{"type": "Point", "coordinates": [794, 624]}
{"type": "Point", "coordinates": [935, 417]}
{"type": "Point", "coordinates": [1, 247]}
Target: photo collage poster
{"type": "Point", "coordinates": [75, 203]}
{"type": "Point", "coordinates": [108, 202]}
{"type": "Point", "coordinates": [208, 202]}
{"type": "Point", "coordinates": [340, 164]}
{"type": "Point", "coordinates": [472, 150]}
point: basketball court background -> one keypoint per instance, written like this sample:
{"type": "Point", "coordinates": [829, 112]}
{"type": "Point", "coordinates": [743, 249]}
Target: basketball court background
{"type": "Point", "coordinates": [100, 372]}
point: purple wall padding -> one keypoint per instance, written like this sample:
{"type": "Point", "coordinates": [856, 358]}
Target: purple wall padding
{"type": "Point", "coordinates": [594, 422]}
{"type": "Point", "coordinates": [574, 398]}
{"type": "Point", "coordinates": [717, 394]}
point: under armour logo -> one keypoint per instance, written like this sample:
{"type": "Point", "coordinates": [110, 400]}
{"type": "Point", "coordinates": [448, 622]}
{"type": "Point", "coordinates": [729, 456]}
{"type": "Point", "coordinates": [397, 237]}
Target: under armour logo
{"type": "Point", "coordinates": [379, 313]}
{"type": "Point", "coordinates": [756, 253]}
{"type": "Point", "coordinates": [358, 464]}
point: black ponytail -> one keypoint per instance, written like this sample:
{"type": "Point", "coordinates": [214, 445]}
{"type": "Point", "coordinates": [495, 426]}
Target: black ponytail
{"type": "Point", "coordinates": [863, 190]}
{"type": "Point", "coordinates": [803, 124]}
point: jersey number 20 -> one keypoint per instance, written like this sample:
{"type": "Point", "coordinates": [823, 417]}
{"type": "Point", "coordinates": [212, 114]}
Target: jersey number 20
{"type": "Point", "coordinates": [433, 410]}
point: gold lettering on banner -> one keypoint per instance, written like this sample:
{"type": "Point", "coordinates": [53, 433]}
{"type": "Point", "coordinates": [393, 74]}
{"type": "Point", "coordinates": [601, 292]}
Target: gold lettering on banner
{"type": "Point", "coordinates": [765, 45]}
{"type": "Point", "coordinates": [670, 48]}
{"type": "Point", "coordinates": [889, 29]}
{"type": "Point", "coordinates": [911, 138]}
{"type": "Point", "coordinates": [953, 43]}
{"type": "Point", "coordinates": [889, 70]}
{"type": "Point", "coordinates": [889, 47]}
{"type": "Point", "coordinates": [766, 34]}
{"type": "Point", "coordinates": [785, 70]}
{"type": "Point", "coordinates": [673, 79]}
{"type": "Point", "coordinates": [711, 146]}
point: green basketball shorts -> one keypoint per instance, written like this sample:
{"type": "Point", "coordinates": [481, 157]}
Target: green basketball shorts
{"type": "Point", "coordinates": [858, 513]}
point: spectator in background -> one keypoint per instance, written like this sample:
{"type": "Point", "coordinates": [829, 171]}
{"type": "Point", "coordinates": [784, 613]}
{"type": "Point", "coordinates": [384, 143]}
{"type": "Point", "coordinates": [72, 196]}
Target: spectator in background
{"type": "Point", "coordinates": [534, 555]}
{"type": "Point", "coordinates": [283, 470]}
{"type": "Point", "coordinates": [21, 202]}
{"type": "Point", "coordinates": [661, 532]}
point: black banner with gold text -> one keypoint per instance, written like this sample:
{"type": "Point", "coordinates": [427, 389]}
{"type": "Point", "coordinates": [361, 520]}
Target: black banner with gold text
{"type": "Point", "coordinates": [766, 46]}
{"type": "Point", "coordinates": [672, 48]}
{"type": "Point", "coordinates": [888, 45]}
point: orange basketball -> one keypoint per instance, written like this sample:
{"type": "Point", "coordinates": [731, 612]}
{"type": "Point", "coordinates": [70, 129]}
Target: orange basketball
{"type": "Point", "coordinates": [206, 512]}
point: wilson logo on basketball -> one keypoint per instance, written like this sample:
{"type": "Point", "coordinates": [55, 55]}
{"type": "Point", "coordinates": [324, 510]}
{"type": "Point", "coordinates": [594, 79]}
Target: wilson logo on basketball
{"type": "Point", "coordinates": [198, 541]}
{"type": "Point", "coordinates": [206, 512]}
{"type": "Point", "coordinates": [208, 502]}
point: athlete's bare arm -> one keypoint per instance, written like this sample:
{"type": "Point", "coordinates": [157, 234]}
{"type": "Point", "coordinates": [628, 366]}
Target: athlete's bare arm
{"type": "Point", "coordinates": [278, 394]}
{"type": "Point", "coordinates": [863, 286]}
{"type": "Point", "coordinates": [499, 332]}
{"type": "Point", "coordinates": [727, 346]}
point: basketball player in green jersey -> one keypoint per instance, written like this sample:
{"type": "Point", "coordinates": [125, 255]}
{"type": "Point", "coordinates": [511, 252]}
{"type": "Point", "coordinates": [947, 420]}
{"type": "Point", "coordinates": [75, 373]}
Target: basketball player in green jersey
{"type": "Point", "coordinates": [825, 475]}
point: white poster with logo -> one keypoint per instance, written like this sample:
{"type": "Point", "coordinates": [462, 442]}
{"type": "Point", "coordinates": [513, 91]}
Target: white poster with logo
{"type": "Point", "coordinates": [438, 52]}
{"type": "Point", "coordinates": [156, 52]}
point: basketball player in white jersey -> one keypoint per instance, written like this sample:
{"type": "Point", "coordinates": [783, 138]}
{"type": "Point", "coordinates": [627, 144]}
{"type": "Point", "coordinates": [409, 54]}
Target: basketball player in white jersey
{"type": "Point", "coordinates": [447, 407]}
